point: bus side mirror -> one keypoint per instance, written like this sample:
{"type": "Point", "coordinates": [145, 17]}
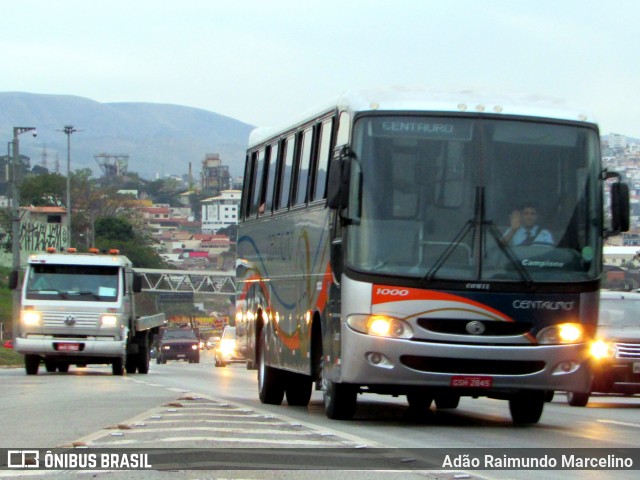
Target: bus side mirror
{"type": "Point", "coordinates": [14, 278]}
{"type": "Point", "coordinates": [339, 177]}
{"type": "Point", "coordinates": [619, 207]}
{"type": "Point", "coordinates": [137, 283]}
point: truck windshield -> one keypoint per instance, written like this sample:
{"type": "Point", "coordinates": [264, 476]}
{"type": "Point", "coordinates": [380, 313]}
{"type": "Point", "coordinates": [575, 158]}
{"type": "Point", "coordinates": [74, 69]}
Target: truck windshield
{"type": "Point", "coordinates": [72, 282]}
{"type": "Point", "coordinates": [435, 197]}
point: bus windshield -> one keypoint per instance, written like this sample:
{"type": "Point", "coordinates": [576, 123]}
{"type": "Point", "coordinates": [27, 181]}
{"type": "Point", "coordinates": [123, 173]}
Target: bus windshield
{"type": "Point", "coordinates": [72, 282]}
{"type": "Point", "coordinates": [460, 198]}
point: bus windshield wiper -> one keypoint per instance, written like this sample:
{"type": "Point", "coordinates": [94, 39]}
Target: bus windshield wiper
{"type": "Point", "coordinates": [448, 251]}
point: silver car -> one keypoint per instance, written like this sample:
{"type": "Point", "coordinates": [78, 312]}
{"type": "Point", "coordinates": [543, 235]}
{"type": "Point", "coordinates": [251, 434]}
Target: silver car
{"type": "Point", "coordinates": [615, 352]}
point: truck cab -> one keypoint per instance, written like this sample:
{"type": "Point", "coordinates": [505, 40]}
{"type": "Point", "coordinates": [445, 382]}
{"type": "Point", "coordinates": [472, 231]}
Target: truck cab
{"type": "Point", "coordinates": [79, 308]}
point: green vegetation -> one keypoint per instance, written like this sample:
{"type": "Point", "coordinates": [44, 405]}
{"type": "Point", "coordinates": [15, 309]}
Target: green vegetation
{"type": "Point", "coordinates": [7, 355]}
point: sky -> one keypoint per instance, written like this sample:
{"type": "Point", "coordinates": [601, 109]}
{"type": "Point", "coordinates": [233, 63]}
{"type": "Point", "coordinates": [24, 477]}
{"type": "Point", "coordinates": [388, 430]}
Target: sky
{"type": "Point", "coordinates": [265, 61]}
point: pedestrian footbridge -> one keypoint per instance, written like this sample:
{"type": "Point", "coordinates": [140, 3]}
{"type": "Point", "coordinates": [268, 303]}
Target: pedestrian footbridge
{"type": "Point", "coordinates": [188, 281]}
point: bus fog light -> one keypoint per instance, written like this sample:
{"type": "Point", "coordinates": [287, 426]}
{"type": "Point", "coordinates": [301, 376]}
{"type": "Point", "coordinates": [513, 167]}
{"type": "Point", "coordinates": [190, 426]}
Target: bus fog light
{"type": "Point", "coordinates": [378, 360]}
{"type": "Point", "coordinates": [565, 367]}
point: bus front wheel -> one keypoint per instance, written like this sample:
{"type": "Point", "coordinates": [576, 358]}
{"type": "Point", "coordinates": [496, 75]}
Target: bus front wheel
{"type": "Point", "coordinates": [340, 399]}
{"type": "Point", "coordinates": [526, 406]}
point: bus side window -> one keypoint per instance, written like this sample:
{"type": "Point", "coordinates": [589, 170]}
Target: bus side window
{"type": "Point", "coordinates": [302, 178]}
{"type": "Point", "coordinates": [286, 171]}
{"type": "Point", "coordinates": [256, 181]}
{"type": "Point", "coordinates": [272, 164]}
{"type": "Point", "coordinates": [244, 205]}
{"type": "Point", "coordinates": [322, 164]}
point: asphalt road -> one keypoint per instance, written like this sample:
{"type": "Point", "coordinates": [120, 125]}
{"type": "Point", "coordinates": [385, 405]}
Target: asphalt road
{"type": "Point", "coordinates": [198, 406]}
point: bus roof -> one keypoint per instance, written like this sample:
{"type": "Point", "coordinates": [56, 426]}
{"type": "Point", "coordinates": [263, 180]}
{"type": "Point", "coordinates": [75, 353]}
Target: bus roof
{"type": "Point", "coordinates": [431, 100]}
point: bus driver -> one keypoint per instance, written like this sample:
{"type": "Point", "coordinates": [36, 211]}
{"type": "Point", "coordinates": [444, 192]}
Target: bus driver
{"type": "Point", "coordinates": [524, 229]}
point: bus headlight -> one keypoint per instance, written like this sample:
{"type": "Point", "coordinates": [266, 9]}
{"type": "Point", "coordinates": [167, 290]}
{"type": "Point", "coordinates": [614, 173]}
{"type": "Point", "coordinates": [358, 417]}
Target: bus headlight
{"type": "Point", "coordinates": [109, 320]}
{"type": "Point", "coordinates": [602, 349]}
{"type": "Point", "coordinates": [380, 326]}
{"type": "Point", "coordinates": [30, 318]}
{"type": "Point", "coordinates": [561, 334]}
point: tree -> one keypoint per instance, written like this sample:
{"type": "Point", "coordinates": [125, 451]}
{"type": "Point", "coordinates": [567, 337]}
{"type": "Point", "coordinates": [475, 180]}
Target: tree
{"type": "Point", "coordinates": [44, 190]}
{"type": "Point", "coordinates": [118, 232]}
{"type": "Point", "coordinates": [114, 228]}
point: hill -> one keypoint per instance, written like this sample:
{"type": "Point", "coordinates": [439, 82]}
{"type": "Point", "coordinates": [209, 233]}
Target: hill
{"type": "Point", "coordinates": [159, 139]}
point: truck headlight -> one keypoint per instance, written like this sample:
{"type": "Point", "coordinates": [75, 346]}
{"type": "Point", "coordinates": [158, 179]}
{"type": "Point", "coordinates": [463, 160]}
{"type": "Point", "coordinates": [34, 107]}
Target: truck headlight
{"type": "Point", "coordinates": [562, 333]}
{"type": "Point", "coordinates": [30, 318]}
{"type": "Point", "coordinates": [109, 320]}
{"type": "Point", "coordinates": [380, 326]}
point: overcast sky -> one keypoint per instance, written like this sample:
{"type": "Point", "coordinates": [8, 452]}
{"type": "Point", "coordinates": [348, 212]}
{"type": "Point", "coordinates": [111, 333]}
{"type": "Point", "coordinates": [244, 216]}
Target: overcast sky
{"type": "Point", "coordinates": [264, 61]}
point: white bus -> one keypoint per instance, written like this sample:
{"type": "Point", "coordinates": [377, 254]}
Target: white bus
{"type": "Point", "coordinates": [374, 253]}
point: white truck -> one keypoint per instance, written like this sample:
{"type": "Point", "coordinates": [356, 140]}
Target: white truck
{"type": "Point", "coordinates": [78, 308]}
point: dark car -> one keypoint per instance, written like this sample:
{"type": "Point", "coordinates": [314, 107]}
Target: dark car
{"type": "Point", "coordinates": [227, 350]}
{"type": "Point", "coordinates": [178, 344]}
{"type": "Point", "coordinates": [615, 353]}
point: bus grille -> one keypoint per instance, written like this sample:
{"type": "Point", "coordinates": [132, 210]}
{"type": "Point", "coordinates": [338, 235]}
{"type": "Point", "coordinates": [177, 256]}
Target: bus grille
{"type": "Point", "coordinates": [628, 350]}
{"type": "Point", "coordinates": [473, 366]}
{"type": "Point", "coordinates": [458, 327]}
{"type": "Point", "coordinates": [81, 320]}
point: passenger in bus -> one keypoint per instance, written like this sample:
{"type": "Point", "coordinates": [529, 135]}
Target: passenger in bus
{"type": "Point", "coordinates": [524, 228]}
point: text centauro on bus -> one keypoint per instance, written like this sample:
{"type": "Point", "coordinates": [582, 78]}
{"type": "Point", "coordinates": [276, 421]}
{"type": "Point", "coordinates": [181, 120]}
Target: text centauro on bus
{"type": "Point", "coordinates": [378, 251]}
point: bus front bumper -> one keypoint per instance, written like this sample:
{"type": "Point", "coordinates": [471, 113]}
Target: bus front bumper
{"type": "Point", "coordinates": [370, 361]}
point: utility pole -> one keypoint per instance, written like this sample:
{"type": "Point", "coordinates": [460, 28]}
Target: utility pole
{"type": "Point", "coordinates": [68, 130]}
{"type": "Point", "coordinates": [15, 219]}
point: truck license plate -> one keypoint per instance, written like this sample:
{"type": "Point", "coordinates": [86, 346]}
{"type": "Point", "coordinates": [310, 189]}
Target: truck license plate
{"type": "Point", "coordinates": [180, 355]}
{"type": "Point", "coordinates": [68, 347]}
{"type": "Point", "coordinates": [467, 381]}
{"type": "Point", "coordinates": [636, 367]}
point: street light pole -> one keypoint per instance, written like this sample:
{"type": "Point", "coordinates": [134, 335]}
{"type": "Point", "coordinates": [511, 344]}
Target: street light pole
{"type": "Point", "coordinates": [68, 130]}
{"type": "Point", "coordinates": [15, 220]}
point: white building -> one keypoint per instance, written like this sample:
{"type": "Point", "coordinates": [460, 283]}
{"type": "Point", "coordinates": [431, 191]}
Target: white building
{"type": "Point", "coordinates": [220, 212]}
{"type": "Point", "coordinates": [617, 141]}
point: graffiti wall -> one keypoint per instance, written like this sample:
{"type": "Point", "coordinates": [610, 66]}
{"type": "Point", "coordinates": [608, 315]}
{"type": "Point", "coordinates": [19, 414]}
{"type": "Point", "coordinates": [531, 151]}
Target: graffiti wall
{"type": "Point", "coordinates": [37, 236]}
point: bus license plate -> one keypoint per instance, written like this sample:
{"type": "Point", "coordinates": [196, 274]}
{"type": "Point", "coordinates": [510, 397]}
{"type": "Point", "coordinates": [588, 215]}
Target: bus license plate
{"type": "Point", "coordinates": [636, 367]}
{"type": "Point", "coordinates": [68, 347]}
{"type": "Point", "coordinates": [471, 382]}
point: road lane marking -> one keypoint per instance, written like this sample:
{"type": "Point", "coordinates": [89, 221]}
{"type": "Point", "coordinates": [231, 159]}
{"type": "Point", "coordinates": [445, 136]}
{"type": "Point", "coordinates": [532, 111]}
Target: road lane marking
{"type": "Point", "coordinates": [625, 424]}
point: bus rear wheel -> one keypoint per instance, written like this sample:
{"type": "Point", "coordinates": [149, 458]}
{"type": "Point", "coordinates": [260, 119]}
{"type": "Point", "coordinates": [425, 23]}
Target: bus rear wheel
{"type": "Point", "coordinates": [526, 407]}
{"type": "Point", "coordinates": [270, 384]}
{"type": "Point", "coordinates": [298, 389]}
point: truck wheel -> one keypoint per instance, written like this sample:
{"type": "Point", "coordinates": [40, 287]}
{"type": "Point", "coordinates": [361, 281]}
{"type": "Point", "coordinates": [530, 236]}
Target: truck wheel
{"type": "Point", "coordinates": [50, 365]}
{"type": "Point", "coordinates": [143, 360]}
{"type": "Point", "coordinates": [63, 367]}
{"type": "Point", "coordinates": [117, 366]}
{"type": "Point", "coordinates": [31, 364]}
{"type": "Point", "coordinates": [130, 364]}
